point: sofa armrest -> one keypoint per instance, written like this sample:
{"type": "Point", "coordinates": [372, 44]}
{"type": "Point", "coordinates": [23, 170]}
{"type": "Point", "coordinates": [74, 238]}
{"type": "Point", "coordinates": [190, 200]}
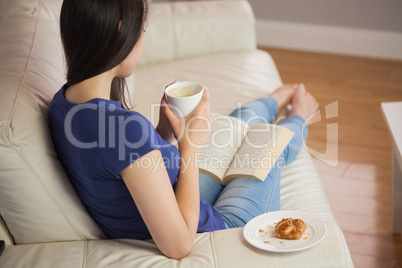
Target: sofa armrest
{"type": "Point", "coordinates": [179, 30]}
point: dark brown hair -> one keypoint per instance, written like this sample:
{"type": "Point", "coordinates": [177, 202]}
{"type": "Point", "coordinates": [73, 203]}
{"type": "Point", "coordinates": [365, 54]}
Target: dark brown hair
{"type": "Point", "coordinates": [93, 42]}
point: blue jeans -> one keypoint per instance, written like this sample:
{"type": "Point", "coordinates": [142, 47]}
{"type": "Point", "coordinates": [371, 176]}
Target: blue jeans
{"type": "Point", "coordinates": [243, 198]}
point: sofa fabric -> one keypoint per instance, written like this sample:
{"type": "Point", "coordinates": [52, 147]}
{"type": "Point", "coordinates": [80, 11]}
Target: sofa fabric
{"type": "Point", "coordinates": [224, 249]}
{"type": "Point", "coordinates": [37, 200]}
{"type": "Point", "coordinates": [228, 90]}
{"type": "Point", "coordinates": [199, 28]}
{"type": "Point", "coordinates": [5, 234]}
{"type": "Point", "coordinates": [42, 220]}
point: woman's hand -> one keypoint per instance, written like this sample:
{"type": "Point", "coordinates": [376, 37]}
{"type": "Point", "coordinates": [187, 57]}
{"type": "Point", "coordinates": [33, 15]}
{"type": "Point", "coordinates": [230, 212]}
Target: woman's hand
{"type": "Point", "coordinates": [192, 130]}
{"type": "Point", "coordinates": [164, 129]}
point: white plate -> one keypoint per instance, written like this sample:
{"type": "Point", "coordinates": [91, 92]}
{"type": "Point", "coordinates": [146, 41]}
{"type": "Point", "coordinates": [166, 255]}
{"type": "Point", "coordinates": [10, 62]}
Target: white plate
{"type": "Point", "coordinates": [260, 231]}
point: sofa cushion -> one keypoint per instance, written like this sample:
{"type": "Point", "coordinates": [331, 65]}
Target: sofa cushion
{"type": "Point", "coordinates": [226, 248]}
{"type": "Point", "coordinates": [233, 79]}
{"type": "Point", "coordinates": [178, 30]}
{"type": "Point", "coordinates": [37, 201]}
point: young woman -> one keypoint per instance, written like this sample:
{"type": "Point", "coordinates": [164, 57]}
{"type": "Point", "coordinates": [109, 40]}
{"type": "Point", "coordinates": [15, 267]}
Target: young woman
{"type": "Point", "coordinates": [132, 180]}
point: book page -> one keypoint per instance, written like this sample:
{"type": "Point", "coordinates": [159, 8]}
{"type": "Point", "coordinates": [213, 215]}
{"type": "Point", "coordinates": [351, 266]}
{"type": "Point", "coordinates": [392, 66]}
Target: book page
{"type": "Point", "coordinates": [259, 152]}
{"type": "Point", "coordinates": [226, 136]}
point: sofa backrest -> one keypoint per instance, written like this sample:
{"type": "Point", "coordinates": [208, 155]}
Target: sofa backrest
{"type": "Point", "coordinates": [37, 201]}
{"type": "Point", "coordinates": [184, 29]}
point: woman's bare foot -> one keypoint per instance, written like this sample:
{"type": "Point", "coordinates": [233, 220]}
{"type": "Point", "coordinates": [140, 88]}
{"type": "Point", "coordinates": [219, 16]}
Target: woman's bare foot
{"type": "Point", "coordinates": [283, 95]}
{"type": "Point", "coordinates": [303, 103]}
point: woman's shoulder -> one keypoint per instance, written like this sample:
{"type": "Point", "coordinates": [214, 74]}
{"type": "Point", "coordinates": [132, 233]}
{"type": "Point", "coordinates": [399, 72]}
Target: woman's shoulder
{"type": "Point", "coordinates": [97, 106]}
{"type": "Point", "coordinates": [123, 116]}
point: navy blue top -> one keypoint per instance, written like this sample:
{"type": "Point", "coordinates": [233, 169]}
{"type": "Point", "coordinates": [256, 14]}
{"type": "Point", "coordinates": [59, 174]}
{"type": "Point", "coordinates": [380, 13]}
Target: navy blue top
{"type": "Point", "coordinates": [95, 141]}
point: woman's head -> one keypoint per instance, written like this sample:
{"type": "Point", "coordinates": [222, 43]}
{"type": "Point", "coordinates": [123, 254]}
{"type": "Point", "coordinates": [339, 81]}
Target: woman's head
{"type": "Point", "coordinates": [99, 35]}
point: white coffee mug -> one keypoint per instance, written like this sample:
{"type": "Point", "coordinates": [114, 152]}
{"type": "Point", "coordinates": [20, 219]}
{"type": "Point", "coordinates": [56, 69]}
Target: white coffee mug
{"type": "Point", "coordinates": [183, 97]}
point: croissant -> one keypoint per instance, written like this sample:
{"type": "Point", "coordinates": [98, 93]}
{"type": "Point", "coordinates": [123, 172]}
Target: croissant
{"type": "Point", "coordinates": [290, 228]}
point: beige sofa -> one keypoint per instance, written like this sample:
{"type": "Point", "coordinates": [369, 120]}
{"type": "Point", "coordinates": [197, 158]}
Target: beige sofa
{"type": "Point", "coordinates": [43, 221]}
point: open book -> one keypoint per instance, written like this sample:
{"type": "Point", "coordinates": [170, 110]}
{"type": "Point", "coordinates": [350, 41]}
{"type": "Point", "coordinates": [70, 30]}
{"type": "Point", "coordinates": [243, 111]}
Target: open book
{"type": "Point", "coordinates": [233, 149]}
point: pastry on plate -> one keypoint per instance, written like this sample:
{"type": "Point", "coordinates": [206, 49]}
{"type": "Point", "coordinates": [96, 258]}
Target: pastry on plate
{"type": "Point", "coordinates": [290, 228]}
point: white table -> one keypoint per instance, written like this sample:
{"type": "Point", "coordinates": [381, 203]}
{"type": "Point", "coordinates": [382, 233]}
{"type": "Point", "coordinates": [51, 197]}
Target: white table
{"type": "Point", "coordinates": [392, 112]}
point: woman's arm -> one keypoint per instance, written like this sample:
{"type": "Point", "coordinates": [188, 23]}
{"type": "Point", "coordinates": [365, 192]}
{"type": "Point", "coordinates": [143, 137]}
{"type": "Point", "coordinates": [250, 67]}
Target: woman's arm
{"type": "Point", "coordinates": [172, 217]}
{"type": "Point", "coordinates": [171, 220]}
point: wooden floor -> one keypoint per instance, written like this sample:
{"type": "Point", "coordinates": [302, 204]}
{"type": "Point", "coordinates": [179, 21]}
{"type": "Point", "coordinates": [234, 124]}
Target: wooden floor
{"type": "Point", "coordinates": [357, 177]}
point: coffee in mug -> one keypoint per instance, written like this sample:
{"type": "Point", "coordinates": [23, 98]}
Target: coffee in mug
{"type": "Point", "coordinates": [183, 97]}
